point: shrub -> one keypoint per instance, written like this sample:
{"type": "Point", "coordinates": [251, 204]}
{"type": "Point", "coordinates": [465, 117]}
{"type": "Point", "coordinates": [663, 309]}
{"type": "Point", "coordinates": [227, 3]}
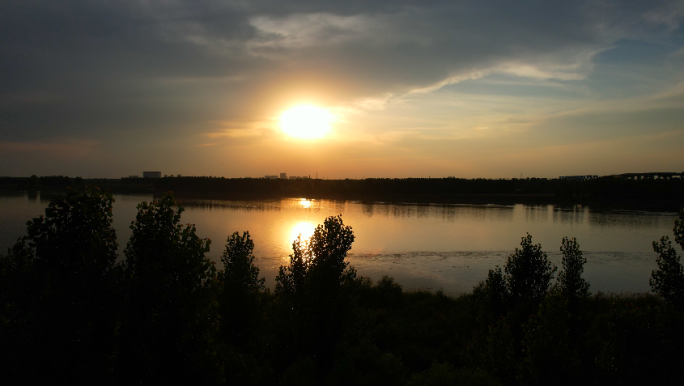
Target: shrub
{"type": "Point", "coordinates": [547, 348]}
{"type": "Point", "coordinates": [638, 344]}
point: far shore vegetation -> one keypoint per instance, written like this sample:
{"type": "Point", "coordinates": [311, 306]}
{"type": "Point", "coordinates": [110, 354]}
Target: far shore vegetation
{"type": "Point", "coordinates": [72, 312]}
{"type": "Point", "coordinates": [611, 192]}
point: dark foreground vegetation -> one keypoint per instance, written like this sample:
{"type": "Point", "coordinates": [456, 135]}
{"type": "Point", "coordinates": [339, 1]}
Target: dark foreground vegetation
{"type": "Point", "coordinates": [607, 192]}
{"type": "Point", "coordinates": [71, 313]}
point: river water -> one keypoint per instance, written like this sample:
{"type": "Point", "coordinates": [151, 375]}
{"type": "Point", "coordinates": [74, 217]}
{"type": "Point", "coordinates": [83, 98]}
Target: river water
{"type": "Point", "coordinates": [448, 247]}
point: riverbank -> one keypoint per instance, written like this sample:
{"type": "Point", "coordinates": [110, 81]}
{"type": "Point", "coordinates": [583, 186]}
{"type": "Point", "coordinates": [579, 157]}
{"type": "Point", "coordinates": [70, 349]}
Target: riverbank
{"type": "Point", "coordinates": [601, 194]}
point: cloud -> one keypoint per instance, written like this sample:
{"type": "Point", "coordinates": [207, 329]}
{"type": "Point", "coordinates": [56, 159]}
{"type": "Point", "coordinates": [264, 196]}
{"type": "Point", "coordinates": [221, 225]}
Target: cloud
{"type": "Point", "coordinates": [668, 13]}
{"type": "Point", "coordinates": [145, 71]}
{"type": "Point", "coordinates": [62, 149]}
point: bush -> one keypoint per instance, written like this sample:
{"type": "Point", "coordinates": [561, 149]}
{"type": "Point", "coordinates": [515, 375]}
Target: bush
{"type": "Point", "coordinates": [637, 344]}
{"type": "Point", "coordinates": [547, 348]}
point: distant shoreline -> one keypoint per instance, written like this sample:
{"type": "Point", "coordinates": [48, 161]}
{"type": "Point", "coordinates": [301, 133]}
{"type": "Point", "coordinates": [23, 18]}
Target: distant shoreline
{"type": "Point", "coordinates": [600, 194]}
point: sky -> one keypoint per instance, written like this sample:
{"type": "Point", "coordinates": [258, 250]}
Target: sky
{"type": "Point", "coordinates": [471, 89]}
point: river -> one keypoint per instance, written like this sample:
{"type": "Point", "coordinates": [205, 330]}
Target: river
{"type": "Point", "coordinates": [435, 246]}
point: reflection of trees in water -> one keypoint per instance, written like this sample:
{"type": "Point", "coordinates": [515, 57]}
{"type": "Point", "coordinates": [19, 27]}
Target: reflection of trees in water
{"type": "Point", "coordinates": [583, 215]}
{"type": "Point", "coordinates": [537, 213]}
{"type": "Point", "coordinates": [259, 206]}
{"type": "Point", "coordinates": [447, 212]}
{"type": "Point", "coordinates": [340, 205]}
{"type": "Point", "coordinates": [367, 209]}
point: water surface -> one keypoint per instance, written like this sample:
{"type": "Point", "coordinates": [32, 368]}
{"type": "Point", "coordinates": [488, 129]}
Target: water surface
{"type": "Point", "coordinates": [447, 247]}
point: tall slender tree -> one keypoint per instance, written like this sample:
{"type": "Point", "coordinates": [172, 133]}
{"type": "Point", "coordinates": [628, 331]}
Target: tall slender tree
{"type": "Point", "coordinates": [241, 289]}
{"type": "Point", "coordinates": [570, 281]}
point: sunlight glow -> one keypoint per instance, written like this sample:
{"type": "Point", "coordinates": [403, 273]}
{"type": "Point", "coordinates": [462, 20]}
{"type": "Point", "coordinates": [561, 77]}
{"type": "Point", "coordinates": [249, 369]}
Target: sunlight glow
{"type": "Point", "coordinates": [305, 203]}
{"type": "Point", "coordinates": [306, 122]}
{"type": "Point", "coordinates": [306, 229]}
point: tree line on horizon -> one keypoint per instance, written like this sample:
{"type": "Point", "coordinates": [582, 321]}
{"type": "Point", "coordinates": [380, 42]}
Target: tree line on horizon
{"type": "Point", "coordinates": [72, 311]}
{"type": "Point", "coordinates": [607, 191]}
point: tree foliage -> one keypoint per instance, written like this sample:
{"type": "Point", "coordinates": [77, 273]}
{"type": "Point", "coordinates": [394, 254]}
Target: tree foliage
{"type": "Point", "coordinates": [171, 298]}
{"type": "Point", "coordinates": [547, 348]}
{"type": "Point", "coordinates": [525, 280]}
{"type": "Point", "coordinates": [59, 287]}
{"type": "Point", "coordinates": [528, 272]}
{"type": "Point", "coordinates": [570, 281]}
{"type": "Point", "coordinates": [312, 290]}
{"type": "Point", "coordinates": [319, 262]}
{"type": "Point", "coordinates": [679, 229]}
{"type": "Point", "coordinates": [668, 279]}
{"type": "Point", "coordinates": [75, 237]}
{"type": "Point", "coordinates": [240, 292]}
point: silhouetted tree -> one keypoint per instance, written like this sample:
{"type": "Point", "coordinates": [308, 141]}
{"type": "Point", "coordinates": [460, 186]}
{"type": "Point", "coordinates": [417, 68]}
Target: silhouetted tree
{"type": "Point", "coordinates": [312, 287]}
{"type": "Point", "coordinates": [291, 280]}
{"type": "Point", "coordinates": [570, 281]}
{"type": "Point", "coordinates": [241, 290]}
{"type": "Point", "coordinates": [528, 272]}
{"type": "Point", "coordinates": [171, 315]}
{"type": "Point", "coordinates": [494, 295]}
{"type": "Point", "coordinates": [679, 229]}
{"type": "Point", "coordinates": [59, 284]}
{"type": "Point", "coordinates": [318, 265]}
{"type": "Point", "coordinates": [668, 280]}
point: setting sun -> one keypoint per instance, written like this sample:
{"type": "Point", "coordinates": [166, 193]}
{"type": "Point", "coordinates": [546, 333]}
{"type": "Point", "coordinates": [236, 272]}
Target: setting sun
{"type": "Point", "coordinates": [306, 122]}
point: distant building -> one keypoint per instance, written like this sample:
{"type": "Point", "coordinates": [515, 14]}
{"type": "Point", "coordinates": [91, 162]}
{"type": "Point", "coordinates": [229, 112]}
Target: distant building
{"type": "Point", "coordinates": [268, 177]}
{"type": "Point", "coordinates": [283, 176]}
{"type": "Point", "coordinates": [299, 177]}
{"type": "Point", "coordinates": [133, 176]}
{"type": "Point", "coordinates": [151, 174]}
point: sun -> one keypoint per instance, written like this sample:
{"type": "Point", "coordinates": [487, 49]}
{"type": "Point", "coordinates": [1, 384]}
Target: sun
{"type": "Point", "coordinates": [306, 122]}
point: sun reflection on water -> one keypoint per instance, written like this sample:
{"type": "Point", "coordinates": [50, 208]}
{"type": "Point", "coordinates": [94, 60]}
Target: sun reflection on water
{"type": "Point", "coordinates": [305, 228]}
{"type": "Point", "coordinates": [305, 203]}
